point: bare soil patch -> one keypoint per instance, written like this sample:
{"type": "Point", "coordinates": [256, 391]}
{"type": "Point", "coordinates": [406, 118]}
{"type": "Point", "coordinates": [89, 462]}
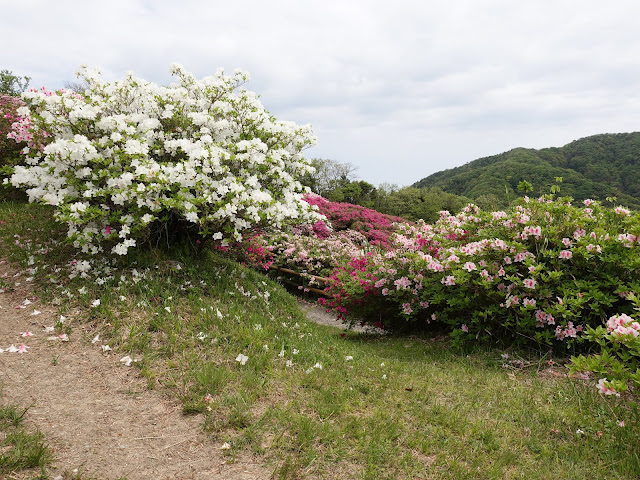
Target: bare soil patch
{"type": "Point", "coordinates": [96, 414]}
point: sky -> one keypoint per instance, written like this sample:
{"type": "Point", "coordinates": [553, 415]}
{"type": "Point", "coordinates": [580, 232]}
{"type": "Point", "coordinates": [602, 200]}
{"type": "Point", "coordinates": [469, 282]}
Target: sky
{"type": "Point", "coordinates": [399, 89]}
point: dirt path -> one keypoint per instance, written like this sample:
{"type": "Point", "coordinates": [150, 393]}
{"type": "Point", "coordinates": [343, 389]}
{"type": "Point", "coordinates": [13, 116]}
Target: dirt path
{"type": "Point", "coordinates": [98, 417]}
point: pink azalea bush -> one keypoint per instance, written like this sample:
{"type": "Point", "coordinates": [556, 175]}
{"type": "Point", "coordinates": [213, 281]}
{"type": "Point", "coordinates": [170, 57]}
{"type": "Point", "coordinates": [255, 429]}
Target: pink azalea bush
{"type": "Point", "coordinates": [375, 226]}
{"type": "Point", "coordinates": [618, 362]}
{"type": "Point", "coordinates": [316, 249]}
{"type": "Point", "coordinates": [9, 148]}
{"type": "Point", "coordinates": [306, 252]}
{"type": "Point", "coordinates": [503, 275]}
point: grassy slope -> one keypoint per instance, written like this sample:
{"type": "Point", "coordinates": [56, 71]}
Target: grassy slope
{"type": "Point", "coordinates": [405, 407]}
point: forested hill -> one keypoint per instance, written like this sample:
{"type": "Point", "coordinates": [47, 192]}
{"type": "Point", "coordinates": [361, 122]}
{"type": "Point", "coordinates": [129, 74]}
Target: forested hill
{"type": "Point", "coordinates": [595, 167]}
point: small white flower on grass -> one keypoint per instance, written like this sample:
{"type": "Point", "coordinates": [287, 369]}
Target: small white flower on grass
{"type": "Point", "coordinates": [105, 348]}
{"type": "Point", "coordinates": [208, 398]}
{"type": "Point", "coordinates": [219, 314]}
{"type": "Point", "coordinates": [123, 298]}
{"type": "Point", "coordinates": [242, 359]}
{"type": "Point", "coordinates": [579, 432]}
{"type": "Point", "coordinates": [27, 302]}
{"type": "Point", "coordinates": [82, 290]}
{"type": "Point", "coordinates": [266, 347]}
{"type": "Point", "coordinates": [48, 329]}
{"type": "Point", "coordinates": [126, 360]}
{"type": "Point", "coordinates": [296, 351]}
{"type": "Point", "coordinates": [289, 363]}
{"type": "Point", "coordinates": [62, 319]}
{"type": "Point", "coordinates": [12, 349]}
{"type": "Point", "coordinates": [201, 336]}
{"type": "Point", "coordinates": [225, 446]}
{"type": "Point", "coordinates": [95, 340]}
{"type": "Point", "coordinates": [384, 377]}
{"type": "Point", "coordinates": [281, 354]}
{"type": "Point", "coordinates": [257, 327]}
{"type": "Point", "coordinates": [382, 364]}
{"type": "Point", "coordinates": [318, 366]}
{"type": "Point", "coordinates": [348, 357]}
{"type": "Point", "coordinates": [168, 309]}
{"type": "Point", "coordinates": [35, 312]}
{"type": "Point", "coordinates": [95, 303]}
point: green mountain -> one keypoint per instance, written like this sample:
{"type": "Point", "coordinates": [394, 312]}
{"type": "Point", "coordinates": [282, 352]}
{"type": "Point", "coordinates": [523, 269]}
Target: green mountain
{"type": "Point", "coordinates": [595, 167]}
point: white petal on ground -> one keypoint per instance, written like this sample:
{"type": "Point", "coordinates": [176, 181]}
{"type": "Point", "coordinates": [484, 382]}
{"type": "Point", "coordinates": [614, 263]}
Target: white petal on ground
{"type": "Point", "coordinates": [126, 360]}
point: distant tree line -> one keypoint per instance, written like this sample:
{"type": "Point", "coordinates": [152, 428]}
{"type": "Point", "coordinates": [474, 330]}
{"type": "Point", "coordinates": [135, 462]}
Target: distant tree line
{"type": "Point", "coordinates": [337, 182]}
{"type": "Point", "coordinates": [596, 167]}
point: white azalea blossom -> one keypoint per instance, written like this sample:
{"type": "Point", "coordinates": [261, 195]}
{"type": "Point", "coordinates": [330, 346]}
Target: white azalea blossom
{"type": "Point", "coordinates": [123, 155]}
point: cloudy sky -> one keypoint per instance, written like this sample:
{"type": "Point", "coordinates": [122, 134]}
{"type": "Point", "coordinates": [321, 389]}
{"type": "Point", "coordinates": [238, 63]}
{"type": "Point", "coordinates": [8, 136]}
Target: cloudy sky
{"type": "Point", "coordinates": [399, 89]}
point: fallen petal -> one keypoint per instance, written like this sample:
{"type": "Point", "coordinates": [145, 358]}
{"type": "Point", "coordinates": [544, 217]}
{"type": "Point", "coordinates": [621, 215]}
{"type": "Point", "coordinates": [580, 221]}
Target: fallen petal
{"type": "Point", "coordinates": [126, 360]}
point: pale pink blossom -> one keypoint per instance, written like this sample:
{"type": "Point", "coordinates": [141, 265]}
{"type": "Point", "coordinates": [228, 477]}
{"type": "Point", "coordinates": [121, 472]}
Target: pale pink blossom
{"type": "Point", "coordinates": [606, 389]}
{"type": "Point", "coordinates": [469, 266]}
{"type": "Point", "coordinates": [449, 280]}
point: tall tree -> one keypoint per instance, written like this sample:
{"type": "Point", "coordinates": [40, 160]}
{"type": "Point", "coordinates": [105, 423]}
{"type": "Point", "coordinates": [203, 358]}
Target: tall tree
{"type": "Point", "coordinates": [11, 84]}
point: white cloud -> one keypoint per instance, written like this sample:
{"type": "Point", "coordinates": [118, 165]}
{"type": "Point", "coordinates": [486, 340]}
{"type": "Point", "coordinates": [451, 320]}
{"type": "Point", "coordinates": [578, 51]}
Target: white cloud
{"type": "Point", "coordinates": [401, 89]}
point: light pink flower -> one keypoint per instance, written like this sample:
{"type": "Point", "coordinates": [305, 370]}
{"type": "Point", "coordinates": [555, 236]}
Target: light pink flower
{"type": "Point", "coordinates": [530, 283]}
{"type": "Point", "coordinates": [402, 283]}
{"type": "Point", "coordinates": [606, 389]}
{"type": "Point", "coordinates": [566, 254]}
{"type": "Point", "coordinates": [469, 266]}
{"type": "Point", "coordinates": [448, 280]}
{"type": "Point", "coordinates": [464, 328]}
{"type": "Point", "coordinates": [22, 348]}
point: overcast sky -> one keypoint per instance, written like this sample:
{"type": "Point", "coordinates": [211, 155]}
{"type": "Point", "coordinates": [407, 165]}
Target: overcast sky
{"type": "Point", "coordinates": [400, 89]}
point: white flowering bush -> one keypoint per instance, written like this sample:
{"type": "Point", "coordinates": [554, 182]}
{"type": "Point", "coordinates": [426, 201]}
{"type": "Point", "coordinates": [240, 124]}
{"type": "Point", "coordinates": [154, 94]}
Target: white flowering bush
{"type": "Point", "coordinates": [125, 160]}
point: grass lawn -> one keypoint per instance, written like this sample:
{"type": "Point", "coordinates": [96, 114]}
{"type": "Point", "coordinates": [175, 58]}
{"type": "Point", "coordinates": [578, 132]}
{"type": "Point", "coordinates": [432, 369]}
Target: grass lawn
{"type": "Point", "coordinates": [22, 449]}
{"type": "Point", "coordinates": [316, 402]}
